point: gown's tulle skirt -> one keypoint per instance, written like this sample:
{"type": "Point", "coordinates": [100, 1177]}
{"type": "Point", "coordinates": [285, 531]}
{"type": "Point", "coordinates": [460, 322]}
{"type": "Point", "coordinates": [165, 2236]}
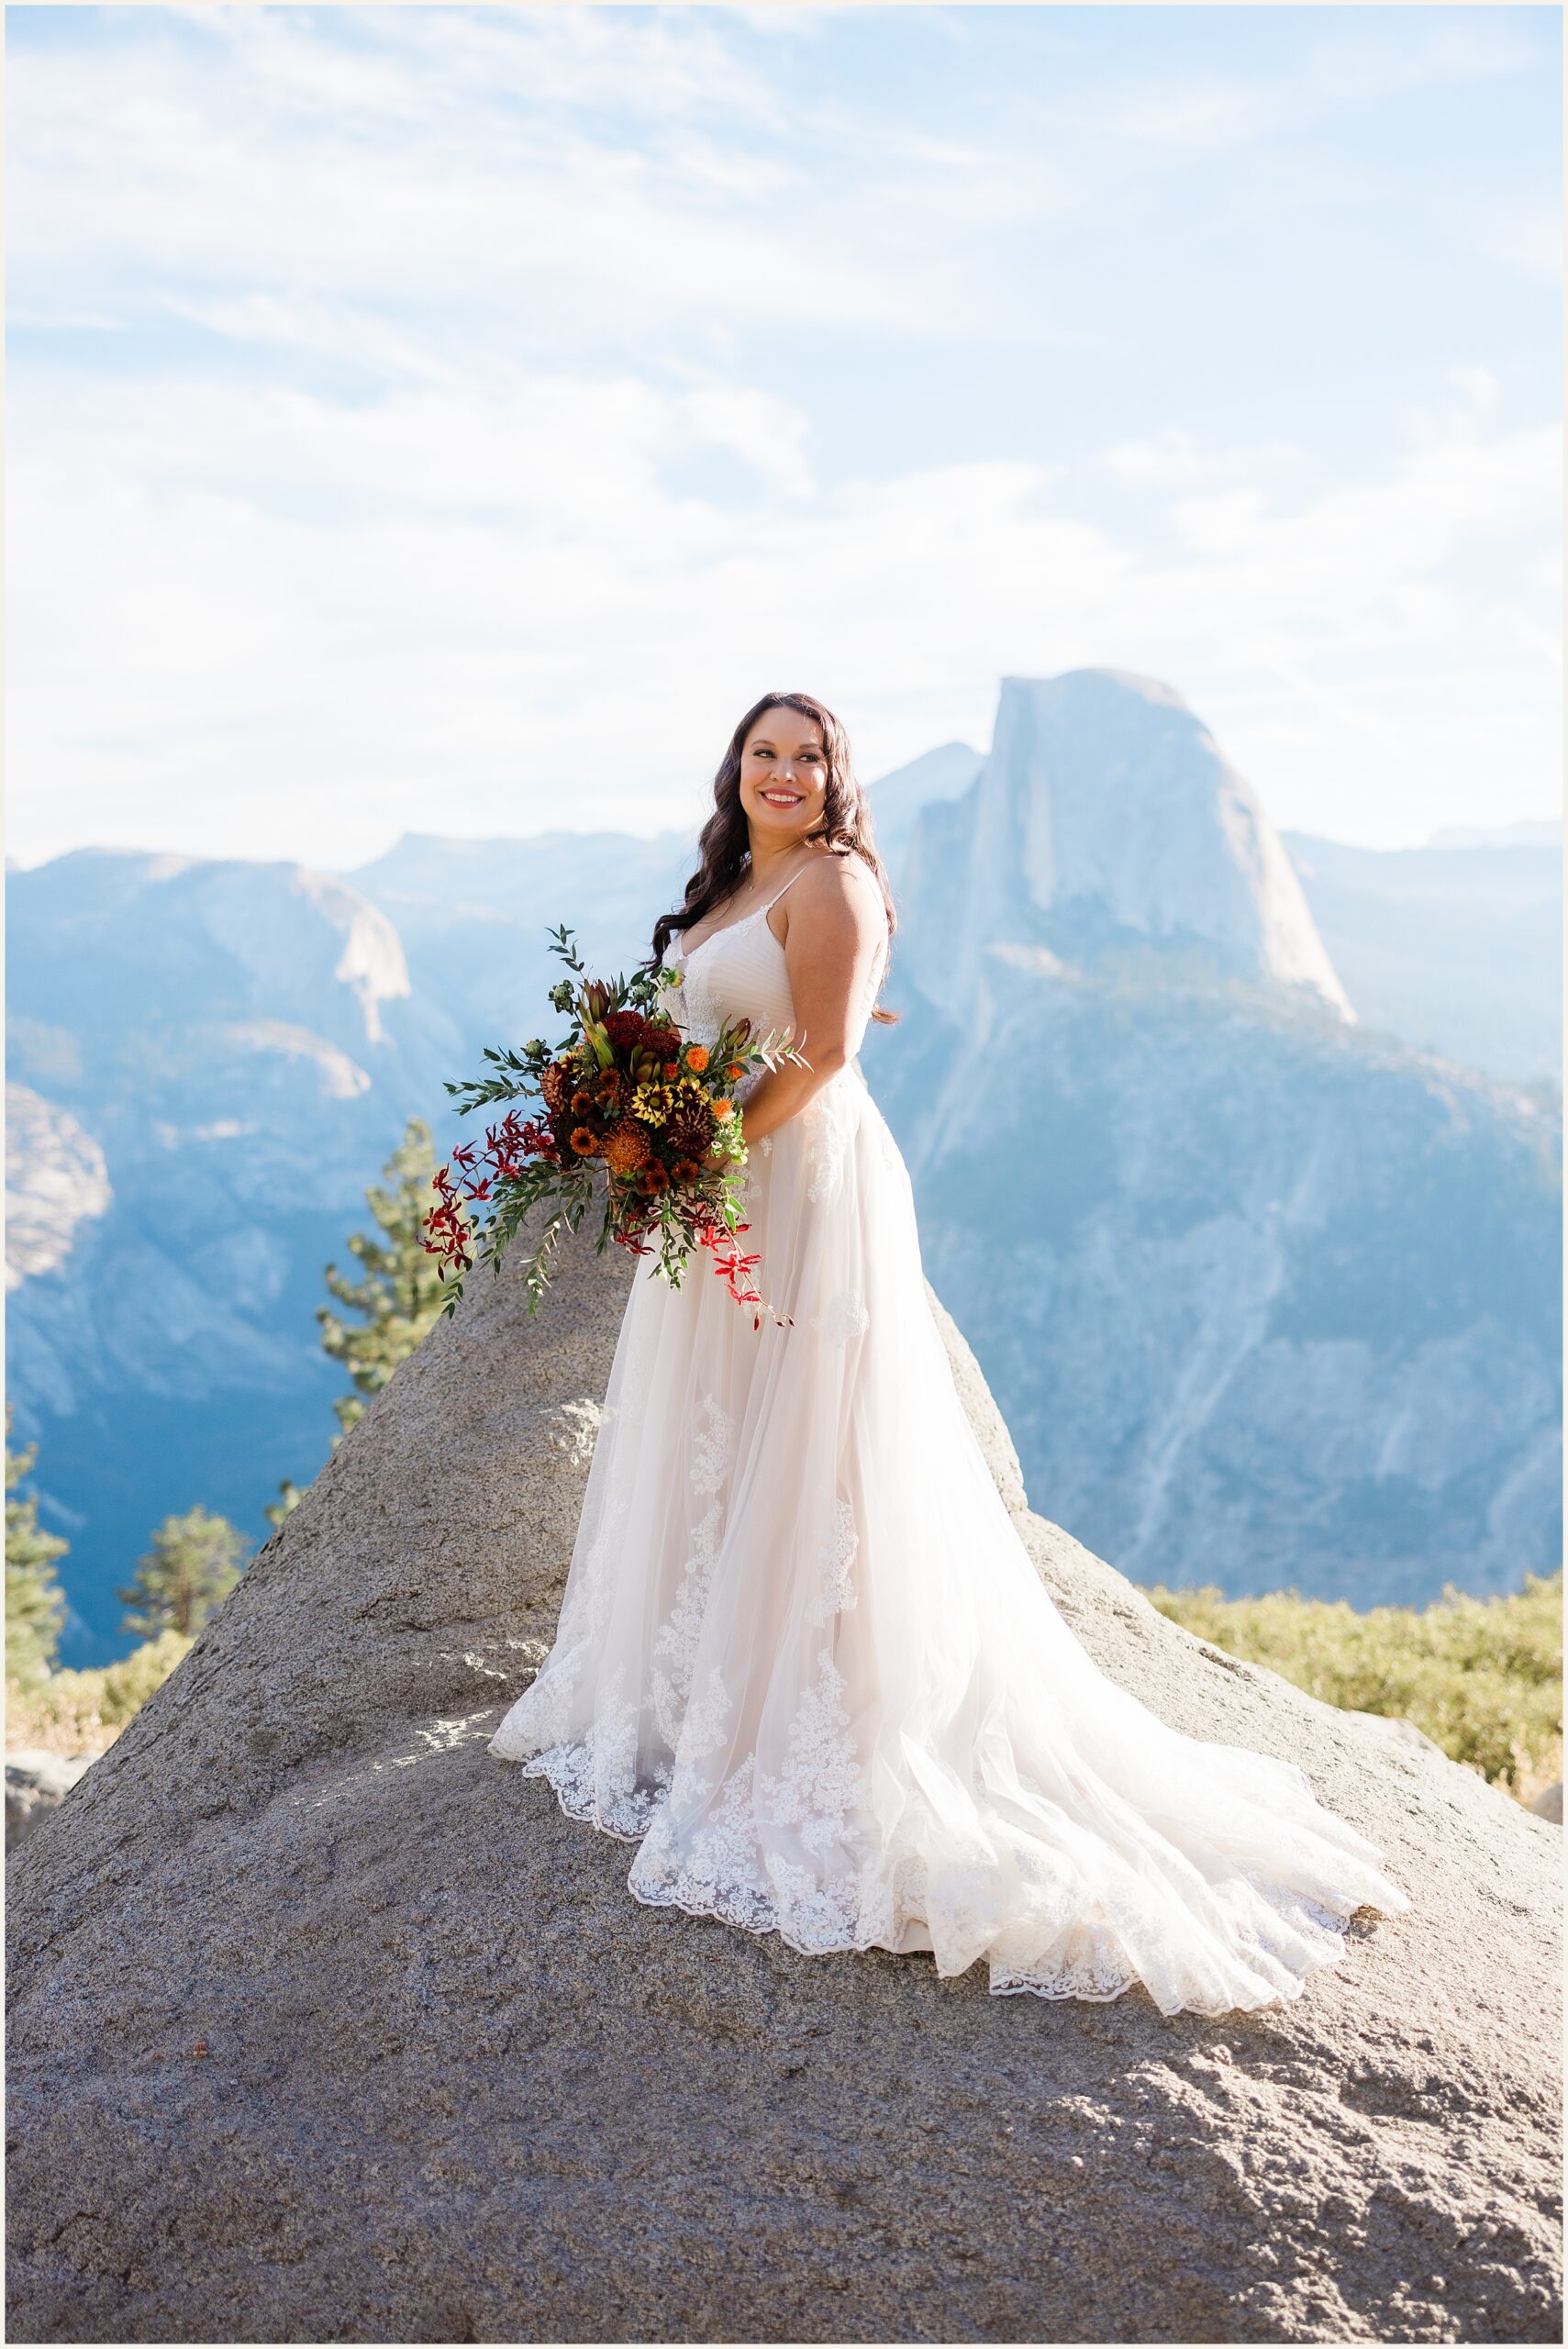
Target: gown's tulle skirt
{"type": "Point", "coordinates": [805, 1663]}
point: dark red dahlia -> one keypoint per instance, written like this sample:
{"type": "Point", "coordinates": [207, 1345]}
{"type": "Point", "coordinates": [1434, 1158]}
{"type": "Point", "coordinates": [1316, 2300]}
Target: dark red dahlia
{"type": "Point", "coordinates": [692, 1128]}
{"type": "Point", "coordinates": [556, 1084]}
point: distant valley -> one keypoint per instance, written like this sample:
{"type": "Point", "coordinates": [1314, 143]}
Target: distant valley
{"type": "Point", "coordinates": [1236, 1155]}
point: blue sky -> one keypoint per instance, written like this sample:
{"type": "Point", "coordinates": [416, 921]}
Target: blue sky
{"type": "Point", "coordinates": [449, 419]}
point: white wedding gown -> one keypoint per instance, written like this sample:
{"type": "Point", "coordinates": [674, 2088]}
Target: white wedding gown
{"type": "Point", "coordinates": [805, 1663]}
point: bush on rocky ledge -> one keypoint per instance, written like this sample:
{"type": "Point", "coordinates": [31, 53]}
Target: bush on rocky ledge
{"type": "Point", "coordinates": [1482, 1677]}
{"type": "Point", "coordinates": [83, 1713]}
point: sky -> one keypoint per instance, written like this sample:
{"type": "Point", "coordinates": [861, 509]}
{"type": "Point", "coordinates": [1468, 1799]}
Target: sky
{"type": "Point", "coordinates": [450, 420]}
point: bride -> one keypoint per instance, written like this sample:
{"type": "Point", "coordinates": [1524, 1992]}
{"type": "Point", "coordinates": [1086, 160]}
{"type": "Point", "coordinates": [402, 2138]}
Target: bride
{"type": "Point", "coordinates": [805, 1662]}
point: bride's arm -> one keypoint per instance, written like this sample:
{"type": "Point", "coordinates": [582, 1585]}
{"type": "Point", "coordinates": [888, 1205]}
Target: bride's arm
{"type": "Point", "coordinates": [835, 927]}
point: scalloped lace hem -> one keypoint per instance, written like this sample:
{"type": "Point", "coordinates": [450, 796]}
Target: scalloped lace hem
{"type": "Point", "coordinates": [569, 1770]}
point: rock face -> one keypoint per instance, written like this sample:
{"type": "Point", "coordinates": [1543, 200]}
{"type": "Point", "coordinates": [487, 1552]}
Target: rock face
{"type": "Point", "coordinates": [895, 801]}
{"type": "Point", "coordinates": [1364, 1396]}
{"type": "Point", "coordinates": [217, 1056]}
{"type": "Point", "coordinates": [1267, 1299]}
{"type": "Point", "coordinates": [324, 2026]}
{"type": "Point", "coordinates": [232, 1050]}
{"type": "Point", "coordinates": [1107, 816]}
{"type": "Point", "coordinates": [55, 1179]}
{"type": "Point", "coordinates": [1456, 947]}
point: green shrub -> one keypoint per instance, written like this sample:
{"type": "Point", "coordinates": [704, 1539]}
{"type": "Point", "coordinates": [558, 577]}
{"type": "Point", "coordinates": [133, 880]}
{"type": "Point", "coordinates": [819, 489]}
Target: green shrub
{"type": "Point", "coordinates": [35, 1604]}
{"type": "Point", "coordinates": [82, 1712]}
{"type": "Point", "coordinates": [1482, 1677]}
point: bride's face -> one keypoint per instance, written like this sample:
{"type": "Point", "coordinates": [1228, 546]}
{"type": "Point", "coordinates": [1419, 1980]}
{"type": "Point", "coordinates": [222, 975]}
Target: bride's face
{"type": "Point", "coordinates": [783, 777]}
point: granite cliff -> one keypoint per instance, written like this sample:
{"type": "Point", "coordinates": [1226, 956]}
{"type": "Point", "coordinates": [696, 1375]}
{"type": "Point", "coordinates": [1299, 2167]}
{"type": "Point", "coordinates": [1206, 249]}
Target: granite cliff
{"type": "Point", "coordinates": [1274, 1300]}
{"type": "Point", "coordinates": [1267, 1299]}
{"type": "Point", "coordinates": [324, 2026]}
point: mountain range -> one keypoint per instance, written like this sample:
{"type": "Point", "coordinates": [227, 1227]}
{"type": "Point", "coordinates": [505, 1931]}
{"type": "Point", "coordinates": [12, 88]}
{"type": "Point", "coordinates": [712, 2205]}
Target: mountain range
{"type": "Point", "coordinates": [1244, 1193]}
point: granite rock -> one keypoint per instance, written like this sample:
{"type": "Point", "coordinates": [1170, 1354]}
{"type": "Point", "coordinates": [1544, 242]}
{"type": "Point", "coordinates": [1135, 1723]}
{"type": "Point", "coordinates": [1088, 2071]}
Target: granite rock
{"type": "Point", "coordinates": [324, 2026]}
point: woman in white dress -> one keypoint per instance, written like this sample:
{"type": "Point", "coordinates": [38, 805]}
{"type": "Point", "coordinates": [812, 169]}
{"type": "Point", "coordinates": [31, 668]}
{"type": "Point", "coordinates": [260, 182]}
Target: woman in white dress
{"type": "Point", "coordinates": [805, 1662]}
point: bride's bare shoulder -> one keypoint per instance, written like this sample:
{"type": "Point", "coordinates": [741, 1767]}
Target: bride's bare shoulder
{"type": "Point", "coordinates": [836, 882]}
{"type": "Point", "coordinates": [841, 870]}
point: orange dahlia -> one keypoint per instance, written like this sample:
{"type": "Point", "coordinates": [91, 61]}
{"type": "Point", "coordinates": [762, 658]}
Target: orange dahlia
{"type": "Point", "coordinates": [584, 1141]}
{"type": "Point", "coordinates": [696, 1057]}
{"type": "Point", "coordinates": [652, 1180]}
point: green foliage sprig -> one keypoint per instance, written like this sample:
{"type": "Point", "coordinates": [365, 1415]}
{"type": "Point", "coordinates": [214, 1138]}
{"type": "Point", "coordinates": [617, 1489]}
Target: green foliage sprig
{"type": "Point", "coordinates": [665, 1200]}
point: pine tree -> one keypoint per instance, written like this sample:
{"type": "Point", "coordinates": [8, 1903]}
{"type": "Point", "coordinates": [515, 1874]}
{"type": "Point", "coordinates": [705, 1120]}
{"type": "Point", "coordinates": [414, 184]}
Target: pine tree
{"type": "Point", "coordinates": [193, 1563]}
{"type": "Point", "coordinates": [400, 1296]}
{"type": "Point", "coordinates": [35, 1604]}
{"type": "Point", "coordinates": [288, 1500]}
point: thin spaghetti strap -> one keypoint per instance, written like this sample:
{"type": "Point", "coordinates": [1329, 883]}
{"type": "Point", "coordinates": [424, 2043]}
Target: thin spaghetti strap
{"type": "Point", "coordinates": [794, 877]}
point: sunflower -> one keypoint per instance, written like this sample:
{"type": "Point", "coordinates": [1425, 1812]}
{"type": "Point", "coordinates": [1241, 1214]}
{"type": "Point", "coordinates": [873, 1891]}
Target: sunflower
{"type": "Point", "coordinates": [653, 1101]}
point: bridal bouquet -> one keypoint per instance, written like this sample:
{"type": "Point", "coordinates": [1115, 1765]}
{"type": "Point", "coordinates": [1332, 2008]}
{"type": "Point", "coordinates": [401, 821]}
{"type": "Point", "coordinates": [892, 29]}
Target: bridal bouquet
{"type": "Point", "coordinates": [623, 1089]}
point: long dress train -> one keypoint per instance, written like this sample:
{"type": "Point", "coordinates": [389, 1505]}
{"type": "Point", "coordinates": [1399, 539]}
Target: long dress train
{"type": "Point", "coordinates": [805, 1663]}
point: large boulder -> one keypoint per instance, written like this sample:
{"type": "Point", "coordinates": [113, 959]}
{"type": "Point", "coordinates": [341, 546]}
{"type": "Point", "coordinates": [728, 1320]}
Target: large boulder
{"type": "Point", "coordinates": [325, 2026]}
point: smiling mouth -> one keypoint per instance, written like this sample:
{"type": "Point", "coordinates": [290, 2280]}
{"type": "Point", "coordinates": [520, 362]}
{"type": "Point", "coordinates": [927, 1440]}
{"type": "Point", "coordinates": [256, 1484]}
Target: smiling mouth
{"type": "Point", "coordinates": [784, 799]}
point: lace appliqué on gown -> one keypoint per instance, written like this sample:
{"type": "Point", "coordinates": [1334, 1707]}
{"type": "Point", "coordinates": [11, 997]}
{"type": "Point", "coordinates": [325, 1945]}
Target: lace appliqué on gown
{"type": "Point", "coordinates": [836, 1595]}
{"type": "Point", "coordinates": [806, 1665]}
{"type": "Point", "coordinates": [821, 1779]}
{"type": "Point", "coordinates": [675, 1649]}
{"type": "Point", "coordinates": [844, 1318]}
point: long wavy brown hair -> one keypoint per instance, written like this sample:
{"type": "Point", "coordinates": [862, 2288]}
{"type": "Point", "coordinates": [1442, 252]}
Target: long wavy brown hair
{"type": "Point", "coordinates": [724, 844]}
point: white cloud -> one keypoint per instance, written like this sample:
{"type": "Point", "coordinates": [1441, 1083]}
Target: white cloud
{"type": "Point", "coordinates": [1362, 55]}
{"type": "Point", "coordinates": [1171, 459]}
{"type": "Point", "coordinates": [1146, 130]}
{"type": "Point", "coordinates": [444, 163]}
{"type": "Point", "coordinates": [1478, 386]}
{"type": "Point", "coordinates": [1522, 233]}
{"type": "Point", "coordinates": [433, 463]}
{"type": "Point", "coordinates": [297, 626]}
